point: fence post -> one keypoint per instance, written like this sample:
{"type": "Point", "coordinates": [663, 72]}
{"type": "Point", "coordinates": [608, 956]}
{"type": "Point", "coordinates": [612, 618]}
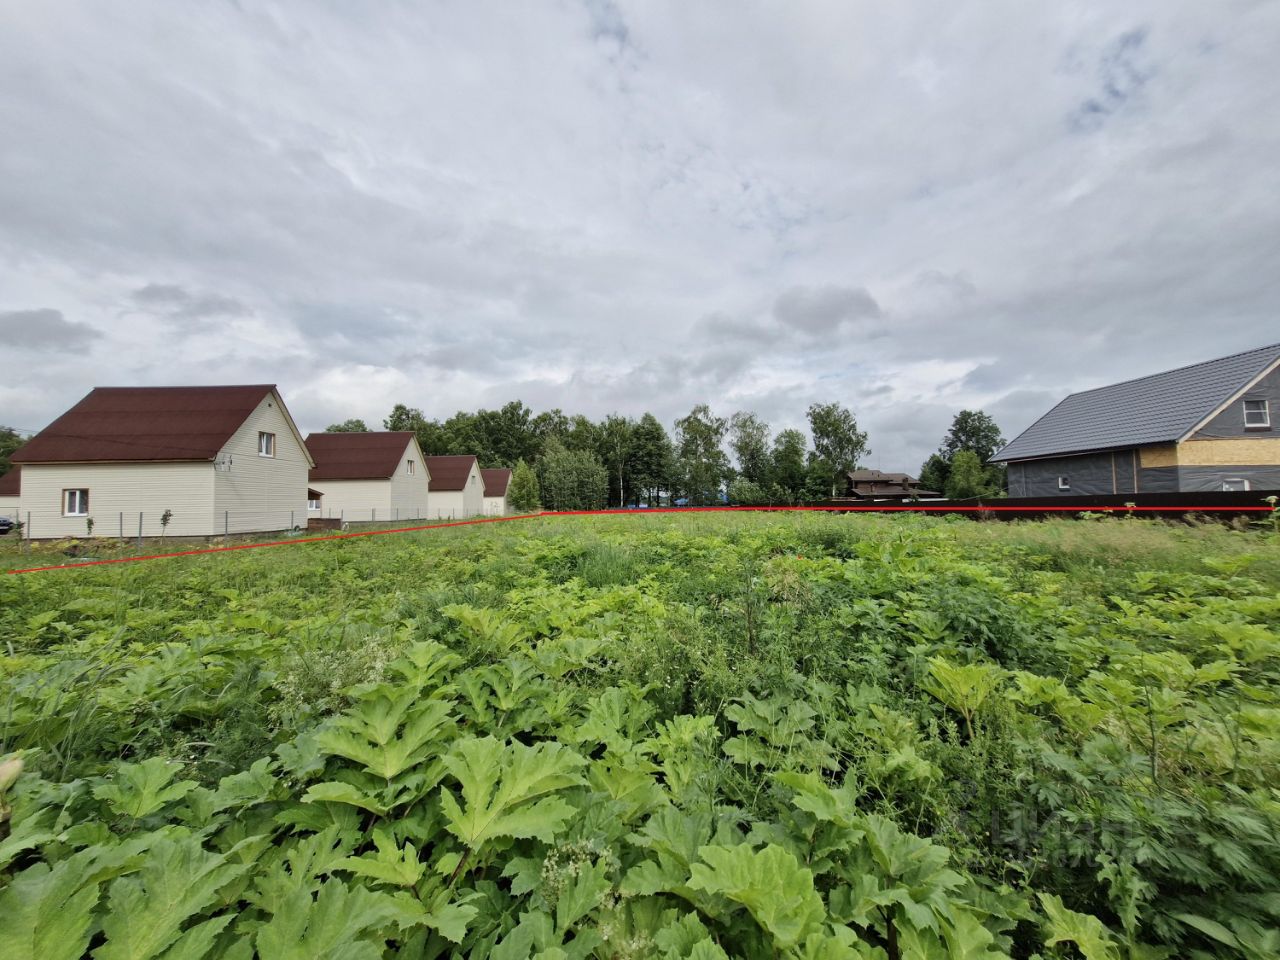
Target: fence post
{"type": "Point", "coordinates": [122, 526]}
{"type": "Point", "coordinates": [397, 514]}
{"type": "Point", "coordinates": [28, 528]}
{"type": "Point", "coordinates": [226, 523]}
{"type": "Point", "coordinates": [290, 519]}
{"type": "Point", "coordinates": [373, 515]}
{"type": "Point", "coordinates": [139, 531]}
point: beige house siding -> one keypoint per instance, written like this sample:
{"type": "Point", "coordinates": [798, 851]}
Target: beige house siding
{"type": "Point", "coordinates": [448, 505]}
{"type": "Point", "coordinates": [460, 504]}
{"type": "Point", "coordinates": [354, 500]}
{"type": "Point", "coordinates": [261, 493]}
{"type": "Point", "coordinates": [118, 493]}
{"type": "Point", "coordinates": [1250, 451]}
{"type": "Point", "coordinates": [495, 506]}
{"type": "Point", "coordinates": [408, 491]}
{"type": "Point", "coordinates": [403, 496]}
{"type": "Point", "coordinates": [9, 507]}
{"type": "Point", "coordinates": [1165, 455]}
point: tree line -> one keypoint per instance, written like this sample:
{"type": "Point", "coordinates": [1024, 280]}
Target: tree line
{"type": "Point", "coordinates": [570, 462]}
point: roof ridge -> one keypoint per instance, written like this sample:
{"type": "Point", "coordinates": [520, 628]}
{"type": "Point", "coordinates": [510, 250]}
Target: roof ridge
{"type": "Point", "coordinates": [1164, 373]}
{"type": "Point", "coordinates": [1153, 408]}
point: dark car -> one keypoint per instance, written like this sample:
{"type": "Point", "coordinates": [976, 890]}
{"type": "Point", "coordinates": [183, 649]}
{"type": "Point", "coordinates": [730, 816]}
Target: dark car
{"type": "Point", "coordinates": [5, 525]}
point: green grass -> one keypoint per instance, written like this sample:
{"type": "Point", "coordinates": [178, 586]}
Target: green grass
{"type": "Point", "coordinates": [953, 737]}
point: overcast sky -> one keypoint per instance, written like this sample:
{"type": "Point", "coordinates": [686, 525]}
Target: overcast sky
{"type": "Point", "coordinates": [908, 207]}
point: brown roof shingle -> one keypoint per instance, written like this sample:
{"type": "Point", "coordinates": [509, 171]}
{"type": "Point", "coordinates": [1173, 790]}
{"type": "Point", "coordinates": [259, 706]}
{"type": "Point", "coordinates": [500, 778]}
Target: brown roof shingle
{"type": "Point", "coordinates": [449, 473]}
{"type": "Point", "coordinates": [495, 481]}
{"type": "Point", "coordinates": [145, 423]}
{"type": "Point", "coordinates": [11, 483]}
{"type": "Point", "coordinates": [357, 456]}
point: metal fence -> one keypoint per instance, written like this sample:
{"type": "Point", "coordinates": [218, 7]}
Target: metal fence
{"type": "Point", "coordinates": [167, 524]}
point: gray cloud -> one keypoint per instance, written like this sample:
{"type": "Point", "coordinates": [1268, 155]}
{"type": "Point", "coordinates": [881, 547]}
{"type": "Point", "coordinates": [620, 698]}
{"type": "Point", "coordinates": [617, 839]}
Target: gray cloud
{"type": "Point", "coordinates": [177, 303]}
{"type": "Point", "coordinates": [45, 329]}
{"type": "Point", "coordinates": [1122, 72]}
{"type": "Point", "coordinates": [909, 208]}
{"type": "Point", "coordinates": [823, 309]}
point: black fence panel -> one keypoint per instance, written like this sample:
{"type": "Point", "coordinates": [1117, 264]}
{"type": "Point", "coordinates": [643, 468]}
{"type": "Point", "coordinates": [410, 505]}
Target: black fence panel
{"type": "Point", "coordinates": [1215, 503]}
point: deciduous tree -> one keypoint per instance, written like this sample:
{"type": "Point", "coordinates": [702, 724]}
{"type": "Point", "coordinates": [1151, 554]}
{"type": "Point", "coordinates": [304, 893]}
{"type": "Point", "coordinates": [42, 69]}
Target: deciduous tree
{"type": "Point", "coordinates": [788, 466]}
{"type": "Point", "coordinates": [10, 441]}
{"type": "Point", "coordinates": [749, 438]}
{"type": "Point", "coordinates": [650, 460]}
{"type": "Point", "coordinates": [615, 450]}
{"type": "Point", "coordinates": [836, 438]}
{"type": "Point", "coordinates": [967, 478]}
{"type": "Point", "coordinates": [524, 493]}
{"type": "Point", "coordinates": [354, 425]}
{"type": "Point", "coordinates": [701, 462]}
{"type": "Point", "coordinates": [973, 431]}
{"type": "Point", "coordinates": [572, 479]}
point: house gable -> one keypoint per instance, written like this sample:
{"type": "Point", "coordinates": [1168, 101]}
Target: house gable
{"type": "Point", "coordinates": [139, 424]}
{"type": "Point", "coordinates": [1228, 420]}
{"type": "Point", "coordinates": [1160, 408]}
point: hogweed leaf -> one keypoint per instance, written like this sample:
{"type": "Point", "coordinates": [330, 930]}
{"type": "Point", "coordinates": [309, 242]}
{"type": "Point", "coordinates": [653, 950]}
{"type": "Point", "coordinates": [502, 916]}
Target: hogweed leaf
{"type": "Point", "coordinates": [46, 913]}
{"type": "Point", "coordinates": [330, 926]}
{"type": "Point", "coordinates": [451, 920]}
{"type": "Point", "coordinates": [178, 880]}
{"type": "Point", "coordinates": [391, 864]}
{"type": "Point", "coordinates": [581, 895]}
{"type": "Point", "coordinates": [1086, 932]}
{"type": "Point", "coordinates": [773, 886]}
{"type": "Point", "coordinates": [501, 785]}
{"type": "Point", "coordinates": [371, 733]}
{"type": "Point", "coordinates": [140, 789]}
{"type": "Point", "coordinates": [333, 792]}
{"type": "Point", "coordinates": [194, 943]}
{"type": "Point", "coordinates": [28, 832]}
{"type": "Point", "coordinates": [963, 687]}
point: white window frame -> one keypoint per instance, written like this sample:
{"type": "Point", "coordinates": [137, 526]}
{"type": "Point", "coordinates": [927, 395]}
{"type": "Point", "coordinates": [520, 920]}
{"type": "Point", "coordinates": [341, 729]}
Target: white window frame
{"type": "Point", "coordinates": [1244, 480]}
{"type": "Point", "coordinates": [1262, 424]}
{"type": "Point", "coordinates": [408, 467]}
{"type": "Point", "coordinates": [1064, 483]}
{"type": "Point", "coordinates": [313, 504]}
{"type": "Point", "coordinates": [266, 444]}
{"type": "Point", "coordinates": [81, 495]}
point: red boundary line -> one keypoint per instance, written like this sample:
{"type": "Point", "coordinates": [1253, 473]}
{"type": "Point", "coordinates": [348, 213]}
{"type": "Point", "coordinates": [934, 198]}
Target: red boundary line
{"type": "Point", "coordinates": [919, 508]}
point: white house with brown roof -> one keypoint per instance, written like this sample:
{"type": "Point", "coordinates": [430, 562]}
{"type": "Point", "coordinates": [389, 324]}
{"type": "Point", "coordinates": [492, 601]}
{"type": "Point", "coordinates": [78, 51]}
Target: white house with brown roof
{"type": "Point", "coordinates": [218, 459]}
{"type": "Point", "coordinates": [457, 488]}
{"type": "Point", "coordinates": [373, 476]}
{"type": "Point", "coordinates": [496, 481]}
{"type": "Point", "coordinates": [10, 487]}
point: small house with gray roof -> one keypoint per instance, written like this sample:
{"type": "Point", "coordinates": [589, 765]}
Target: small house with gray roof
{"type": "Point", "coordinates": [1209, 426]}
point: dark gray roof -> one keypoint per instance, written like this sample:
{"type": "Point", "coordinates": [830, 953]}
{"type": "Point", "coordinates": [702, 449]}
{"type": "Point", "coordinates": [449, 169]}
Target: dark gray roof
{"type": "Point", "coordinates": [1159, 408]}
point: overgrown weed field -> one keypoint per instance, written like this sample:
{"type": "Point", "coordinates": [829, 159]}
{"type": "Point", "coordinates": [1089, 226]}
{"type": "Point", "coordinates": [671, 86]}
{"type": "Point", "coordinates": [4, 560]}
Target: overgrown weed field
{"type": "Point", "coordinates": [669, 736]}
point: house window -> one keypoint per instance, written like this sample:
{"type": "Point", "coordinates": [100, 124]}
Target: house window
{"type": "Point", "coordinates": [409, 467]}
{"type": "Point", "coordinates": [1235, 483]}
{"type": "Point", "coordinates": [313, 504]}
{"type": "Point", "coordinates": [266, 444]}
{"type": "Point", "coordinates": [1256, 414]}
{"type": "Point", "coordinates": [75, 503]}
{"type": "Point", "coordinates": [1064, 483]}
